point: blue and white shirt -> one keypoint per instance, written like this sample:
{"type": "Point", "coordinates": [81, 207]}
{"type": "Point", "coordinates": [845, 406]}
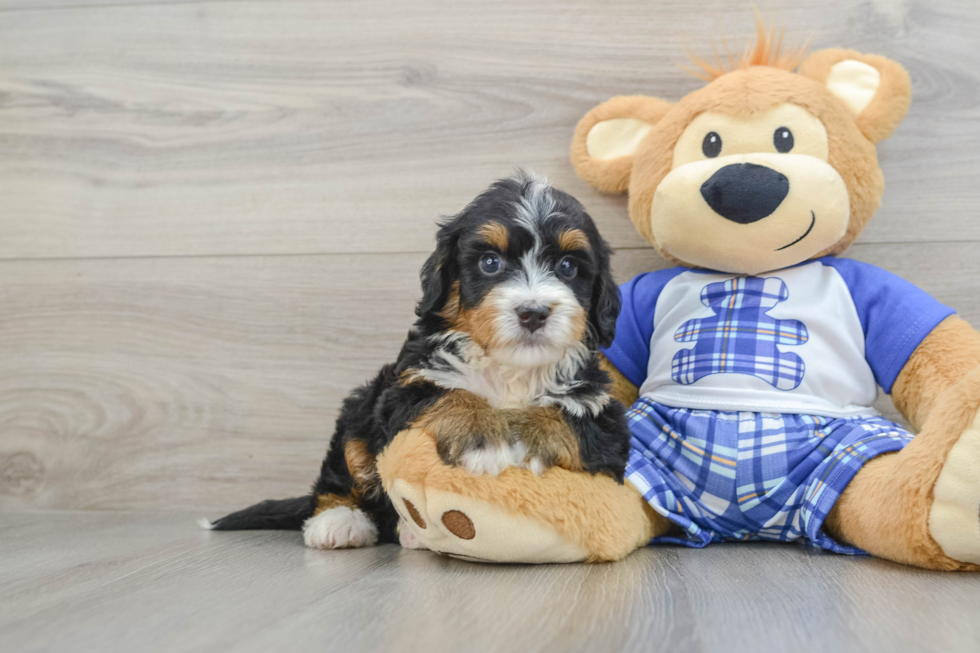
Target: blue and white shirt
{"type": "Point", "coordinates": [814, 339]}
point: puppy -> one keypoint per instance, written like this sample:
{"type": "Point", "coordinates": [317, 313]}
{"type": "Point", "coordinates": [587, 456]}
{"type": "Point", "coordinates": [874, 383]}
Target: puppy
{"type": "Point", "coordinates": [501, 366]}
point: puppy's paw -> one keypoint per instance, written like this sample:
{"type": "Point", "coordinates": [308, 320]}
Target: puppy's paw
{"type": "Point", "coordinates": [493, 460]}
{"type": "Point", "coordinates": [536, 465]}
{"type": "Point", "coordinates": [340, 528]}
{"type": "Point", "coordinates": [469, 433]}
{"type": "Point", "coordinates": [548, 439]}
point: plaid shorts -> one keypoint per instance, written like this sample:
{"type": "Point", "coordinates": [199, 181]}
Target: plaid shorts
{"type": "Point", "coordinates": [750, 476]}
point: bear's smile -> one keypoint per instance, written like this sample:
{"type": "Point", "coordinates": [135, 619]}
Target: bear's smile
{"type": "Point", "coordinates": [813, 221]}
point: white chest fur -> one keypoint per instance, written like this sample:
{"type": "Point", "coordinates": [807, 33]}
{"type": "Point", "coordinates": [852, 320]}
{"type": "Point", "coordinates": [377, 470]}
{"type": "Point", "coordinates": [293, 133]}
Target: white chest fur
{"type": "Point", "coordinates": [501, 386]}
{"type": "Point", "coordinates": [510, 387]}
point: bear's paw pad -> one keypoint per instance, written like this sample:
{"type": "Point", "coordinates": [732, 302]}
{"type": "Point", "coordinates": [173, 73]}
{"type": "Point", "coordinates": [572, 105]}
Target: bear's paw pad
{"type": "Point", "coordinates": [954, 520]}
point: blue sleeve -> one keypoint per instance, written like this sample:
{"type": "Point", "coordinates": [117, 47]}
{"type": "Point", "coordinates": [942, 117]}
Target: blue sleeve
{"type": "Point", "coordinates": [895, 316]}
{"type": "Point", "coordinates": [630, 351]}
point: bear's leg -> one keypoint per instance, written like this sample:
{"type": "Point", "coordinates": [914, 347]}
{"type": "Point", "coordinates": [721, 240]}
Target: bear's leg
{"type": "Point", "coordinates": [921, 506]}
{"type": "Point", "coordinates": [561, 516]}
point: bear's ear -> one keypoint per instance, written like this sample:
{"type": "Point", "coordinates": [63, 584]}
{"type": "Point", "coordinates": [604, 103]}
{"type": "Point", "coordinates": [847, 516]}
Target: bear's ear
{"type": "Point", "coordinates": [608, 136]}
{"type": "Point", "coordinates": [876, 90]}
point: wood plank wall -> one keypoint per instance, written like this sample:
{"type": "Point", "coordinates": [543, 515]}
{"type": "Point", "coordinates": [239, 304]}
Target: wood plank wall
{"type": "Point", "coordinates": [212, 212]}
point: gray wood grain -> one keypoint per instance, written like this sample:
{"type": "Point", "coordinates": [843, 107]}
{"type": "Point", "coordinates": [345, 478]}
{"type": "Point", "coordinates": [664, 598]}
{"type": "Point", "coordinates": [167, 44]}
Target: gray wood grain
{"type": "Point", "coordinates": [181, 128]}
{"type": "Point", "coordinates": [125, 582]}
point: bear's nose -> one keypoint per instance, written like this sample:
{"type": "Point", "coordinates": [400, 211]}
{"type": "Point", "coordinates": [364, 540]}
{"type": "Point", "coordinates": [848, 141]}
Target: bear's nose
{"type": "Point", "coordinates": [745, 192]}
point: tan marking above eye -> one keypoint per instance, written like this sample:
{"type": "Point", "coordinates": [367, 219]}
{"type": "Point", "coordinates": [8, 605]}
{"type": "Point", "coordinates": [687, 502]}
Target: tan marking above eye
{"type": "Point", "coordinates": [495, 234]}
{"type": "Point", "coordinates": [753, 134]}
{"type": "Point", "coordinates": [573, 239]}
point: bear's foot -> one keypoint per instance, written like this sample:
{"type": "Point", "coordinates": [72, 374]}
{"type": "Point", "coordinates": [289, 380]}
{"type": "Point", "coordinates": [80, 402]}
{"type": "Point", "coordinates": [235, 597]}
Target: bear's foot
{"type": "Point", "coordinates": [954, 519]}
{"type": "Point", "coordinates": [516, 516]}
{"type": "Point", "coordinates": [451, 523]}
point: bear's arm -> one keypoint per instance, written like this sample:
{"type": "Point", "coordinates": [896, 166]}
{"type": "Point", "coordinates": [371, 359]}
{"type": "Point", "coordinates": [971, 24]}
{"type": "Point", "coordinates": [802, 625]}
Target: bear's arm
{"type": "Point", "coordinates": [622, 388]}
{"type": "Point", "coordinates": [945, 356]}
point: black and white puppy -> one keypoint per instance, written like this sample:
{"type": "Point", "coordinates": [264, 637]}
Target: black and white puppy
{"type": "Point", "coordinates": [502, 366]}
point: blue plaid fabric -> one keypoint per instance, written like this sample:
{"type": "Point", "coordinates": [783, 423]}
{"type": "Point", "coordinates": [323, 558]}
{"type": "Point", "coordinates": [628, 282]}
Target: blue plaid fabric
{"type": "Point", "coordinates": [741, 338]}
{"type": "Point", "coordinates": [750, 476]}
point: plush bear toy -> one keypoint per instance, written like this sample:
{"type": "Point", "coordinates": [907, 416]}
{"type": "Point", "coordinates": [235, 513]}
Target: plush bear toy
{"type": "Point", "coordinates": [752, 366]}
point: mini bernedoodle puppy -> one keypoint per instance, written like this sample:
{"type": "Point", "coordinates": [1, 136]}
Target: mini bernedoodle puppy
{"type": "Point", "coordinates": [502, 366]}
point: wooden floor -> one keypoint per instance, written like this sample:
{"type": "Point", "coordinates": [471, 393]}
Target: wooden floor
{"type": "Point", "coordinates": [212, 214]}
{"type": "Point", "coordinates": [90, 581]}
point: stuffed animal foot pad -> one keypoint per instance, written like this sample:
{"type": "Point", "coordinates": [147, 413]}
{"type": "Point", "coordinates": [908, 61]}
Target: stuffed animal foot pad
{"type": "Point", "coordinates": [954, 520]}
{"type": "Point", "coordinates": [516, 516]}
{"type": "Point", "coordinates": [447, 522]}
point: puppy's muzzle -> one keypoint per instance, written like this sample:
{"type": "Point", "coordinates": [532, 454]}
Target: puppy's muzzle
{"type": "Point", "coordinates": [533, 318]}
{"type": "Point", "coordinates": [745, 192]}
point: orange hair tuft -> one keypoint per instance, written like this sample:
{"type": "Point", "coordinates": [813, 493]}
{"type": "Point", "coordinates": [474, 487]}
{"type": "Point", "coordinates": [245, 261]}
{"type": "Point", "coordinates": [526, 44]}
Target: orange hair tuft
{"type": "Point", "coordinates": [766, 51]}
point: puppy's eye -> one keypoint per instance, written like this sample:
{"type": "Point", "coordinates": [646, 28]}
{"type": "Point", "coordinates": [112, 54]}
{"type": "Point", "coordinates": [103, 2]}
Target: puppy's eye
{"type": "Point", "coordinates": [490, 263]}
{"type": "Point", "coordinates": [711, 145]}
{"type": "Point", "coordinates": [783, 140]}
{"type": "Point", "coordinates": [567, 268]}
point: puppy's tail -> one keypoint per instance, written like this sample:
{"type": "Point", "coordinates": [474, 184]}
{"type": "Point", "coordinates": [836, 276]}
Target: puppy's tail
{"type": "Point", "coordinates": [271, 514]}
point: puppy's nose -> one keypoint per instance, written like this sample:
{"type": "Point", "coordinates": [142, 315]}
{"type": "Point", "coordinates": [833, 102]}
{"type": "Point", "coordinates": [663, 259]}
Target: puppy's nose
{"type": "Point", "coordinates": [745, 192]}
{"type": "Point", "coordinates": [533, 317]}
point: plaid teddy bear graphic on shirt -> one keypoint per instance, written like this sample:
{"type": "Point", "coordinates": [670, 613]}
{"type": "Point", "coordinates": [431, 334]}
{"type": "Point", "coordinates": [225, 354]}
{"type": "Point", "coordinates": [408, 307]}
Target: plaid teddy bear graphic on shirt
{"type": "Point", "coordinates": [741, 338]}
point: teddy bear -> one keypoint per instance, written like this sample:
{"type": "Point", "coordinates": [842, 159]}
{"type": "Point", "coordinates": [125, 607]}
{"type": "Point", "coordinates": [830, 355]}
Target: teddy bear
{"type": "Point", "coordinates": [751, 367]}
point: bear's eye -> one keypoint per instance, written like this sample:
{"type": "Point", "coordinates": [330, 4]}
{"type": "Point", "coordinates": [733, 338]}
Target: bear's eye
{"type": "Point", "coordinates": [711, 145]}
{"type": "Point", "coordinates": [783, 140]}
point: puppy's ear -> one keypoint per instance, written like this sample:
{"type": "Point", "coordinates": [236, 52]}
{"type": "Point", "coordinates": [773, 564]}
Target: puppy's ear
{"type": "Point", "coordinates": [605, 299]}
{"type": "Point", "coordinates": [438, 274]}
{"type": "Point", "coordinates": [876, 90]}
{"type": "Point", "coordinates": [608, 136]}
